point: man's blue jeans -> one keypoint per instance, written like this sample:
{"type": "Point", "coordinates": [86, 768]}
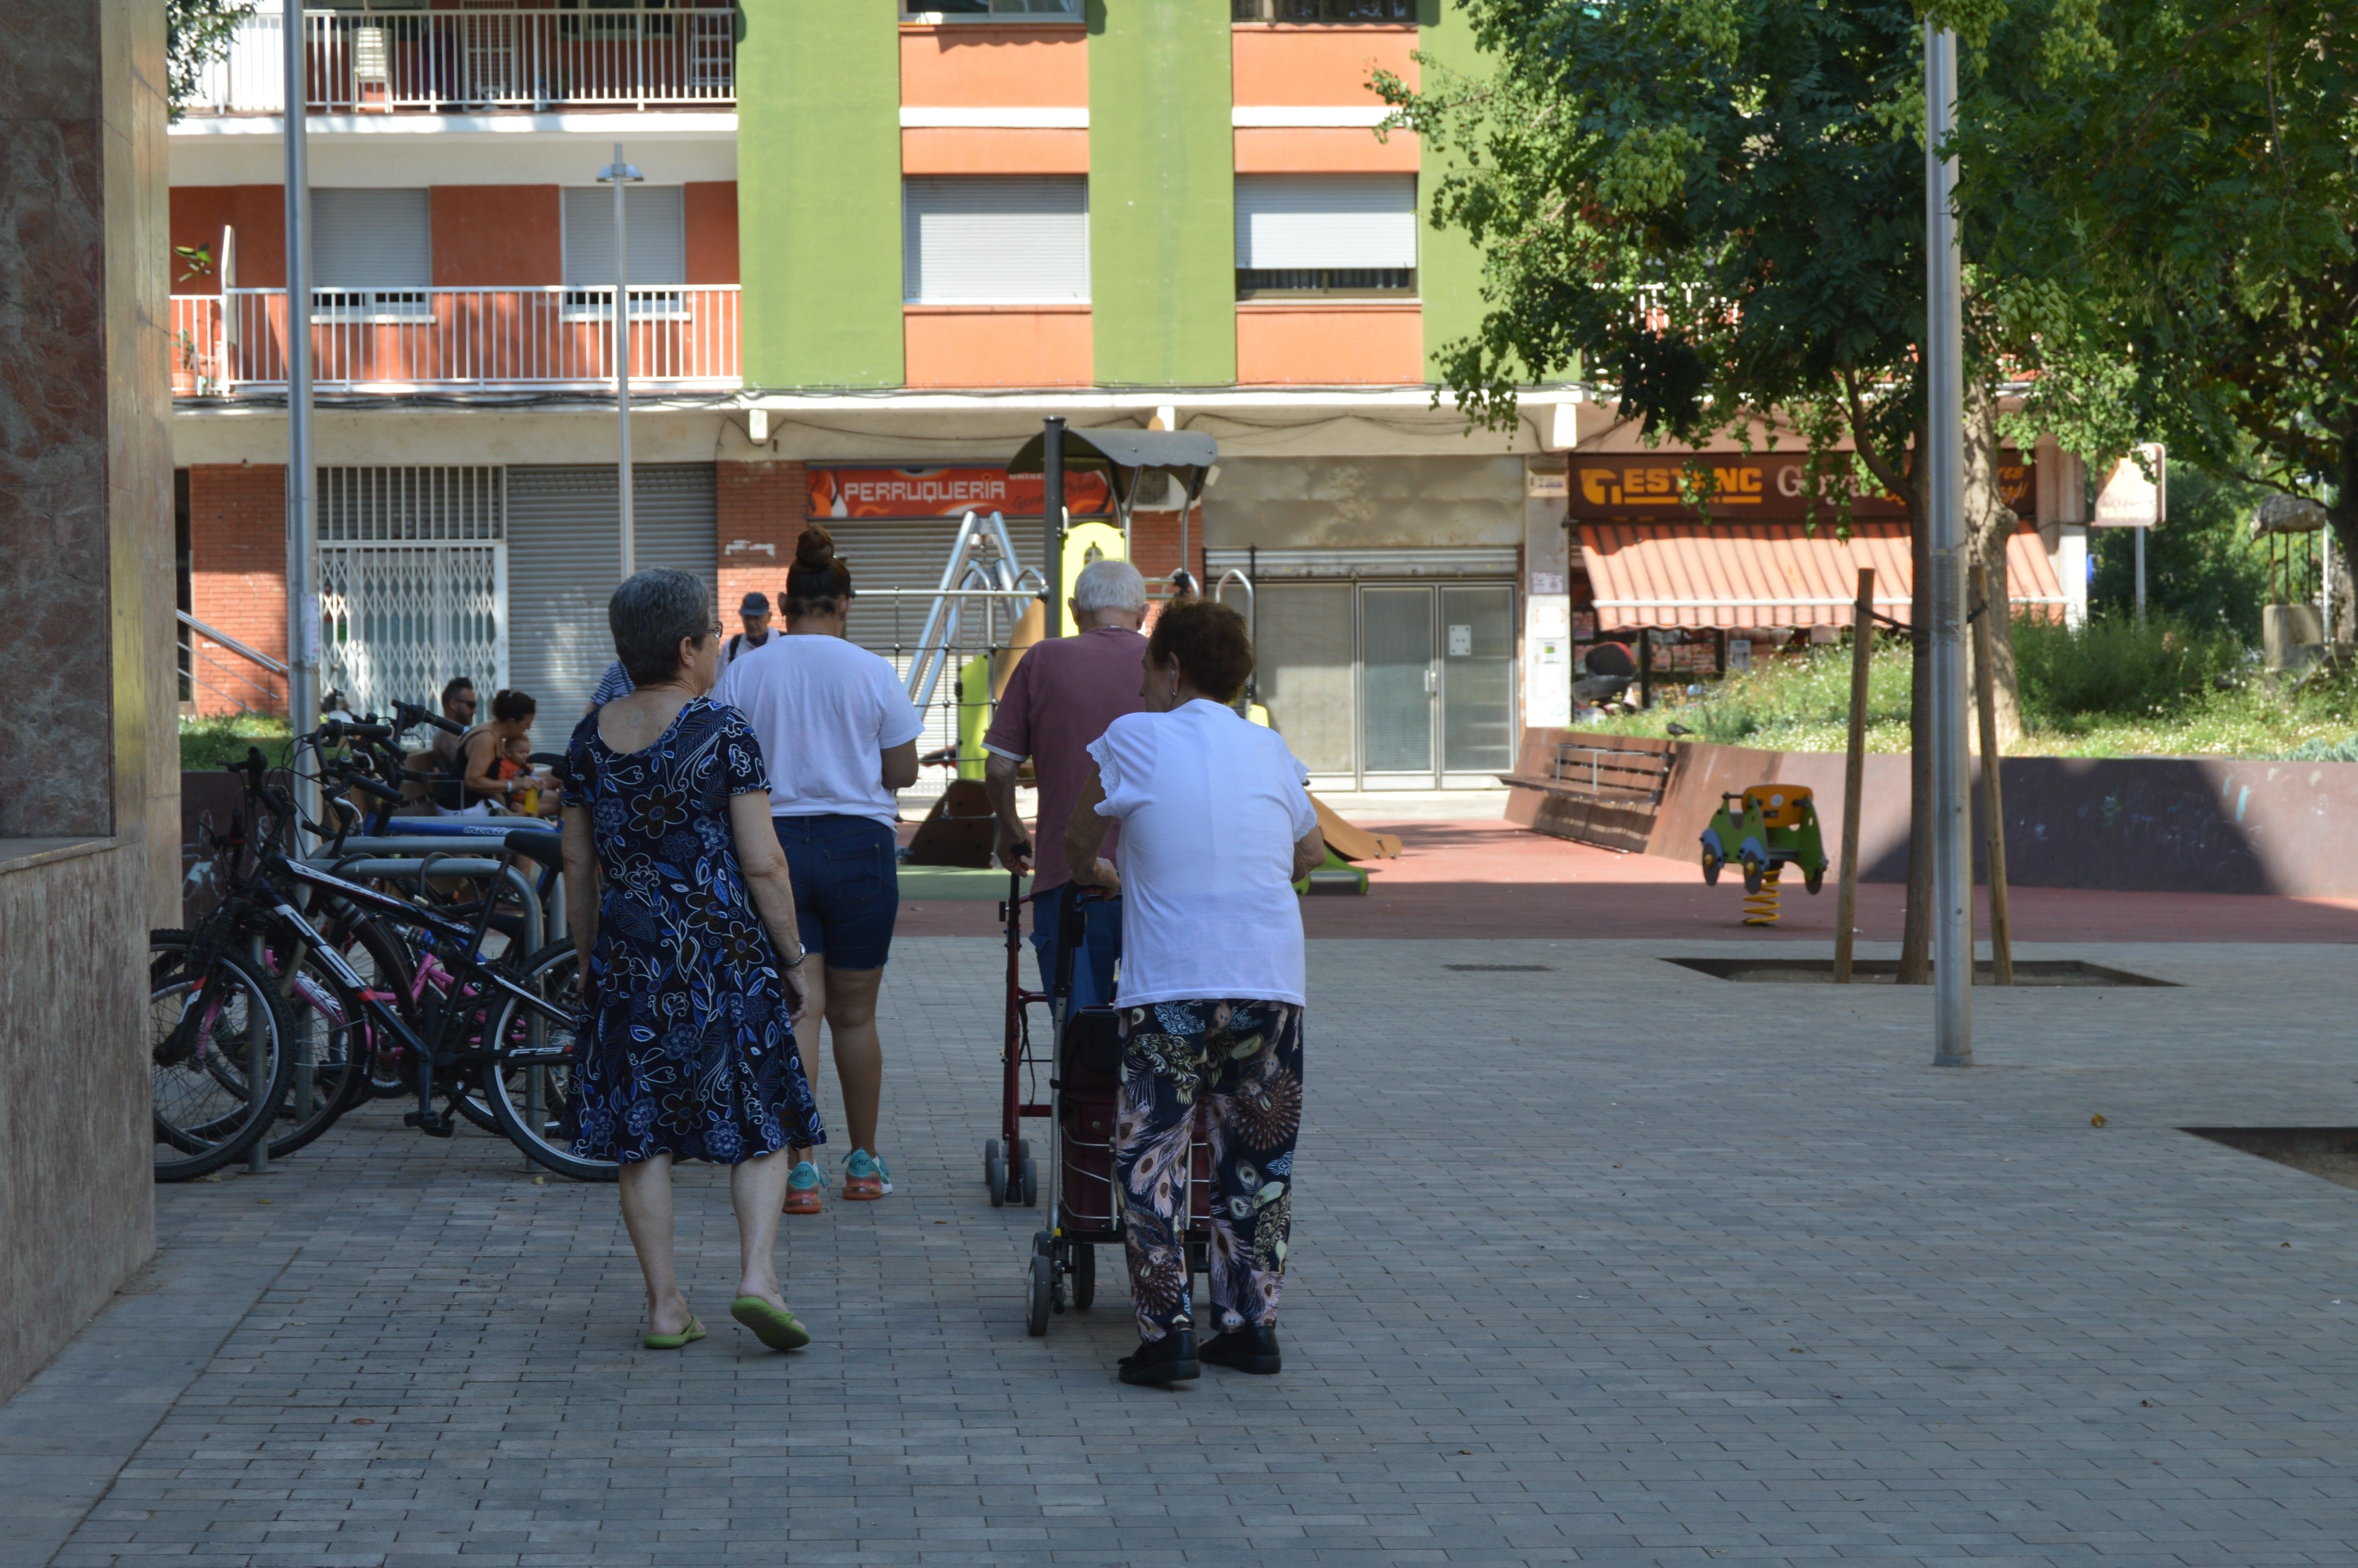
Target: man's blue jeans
{"type": "Point", "coordinates": [1093, 977]}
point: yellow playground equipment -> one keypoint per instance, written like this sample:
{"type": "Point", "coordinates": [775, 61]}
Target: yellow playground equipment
{"type": "Point", "coordinates": [1764, 830]}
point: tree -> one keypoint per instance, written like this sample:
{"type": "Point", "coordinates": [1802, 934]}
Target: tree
{"type": "Point", "coordinates": [2174, 188]}
{"type": "Point", "coordinates": [197, 33]}
{"type": "Point", "coordinates": [1716, 207]}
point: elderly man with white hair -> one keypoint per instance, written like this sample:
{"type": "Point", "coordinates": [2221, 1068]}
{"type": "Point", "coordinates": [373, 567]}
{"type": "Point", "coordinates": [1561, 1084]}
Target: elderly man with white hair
{"type": "Point", "coordinates": [1058, 702]}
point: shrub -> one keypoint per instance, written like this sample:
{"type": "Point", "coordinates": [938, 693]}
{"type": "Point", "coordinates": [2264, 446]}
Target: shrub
{"type": "Point", "coordinates": [2117, 664]}
{"type": "Point", "coordinates": [208, 743]}
{"type": "Point", "coordinates": [1803, 691]}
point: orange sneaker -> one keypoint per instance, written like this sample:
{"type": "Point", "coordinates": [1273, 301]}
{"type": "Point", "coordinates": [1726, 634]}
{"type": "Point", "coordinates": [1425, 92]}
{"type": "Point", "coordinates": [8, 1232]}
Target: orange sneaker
{"type": "Point", "coordinates": [865, 1179]}
{"type": "Point", "coordinates": [802, 1189]}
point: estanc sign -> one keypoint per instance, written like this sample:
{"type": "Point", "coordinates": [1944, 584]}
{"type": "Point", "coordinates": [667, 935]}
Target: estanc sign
{"type": "Point", "coordinates": [918, 492]}
{"type": "Point", "coordinates": [1747, 486]}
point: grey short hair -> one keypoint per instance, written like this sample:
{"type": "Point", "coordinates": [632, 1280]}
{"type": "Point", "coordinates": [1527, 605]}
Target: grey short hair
{"type": "Point", "coordinates": [1108, 584]}
{"type": "Point", "coordinates": [649, 614]}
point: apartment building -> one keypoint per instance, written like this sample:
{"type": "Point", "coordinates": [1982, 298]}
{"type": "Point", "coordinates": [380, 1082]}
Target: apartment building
{"type": "Point", "coordinates": [872, 245]}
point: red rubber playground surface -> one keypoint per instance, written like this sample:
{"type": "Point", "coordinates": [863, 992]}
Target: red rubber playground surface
{"type": "Point", "coordinates": [1495, 879]}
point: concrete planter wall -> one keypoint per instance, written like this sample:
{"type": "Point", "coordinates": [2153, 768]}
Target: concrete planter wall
{"type": "Point", "coordinates": [2145, 823]}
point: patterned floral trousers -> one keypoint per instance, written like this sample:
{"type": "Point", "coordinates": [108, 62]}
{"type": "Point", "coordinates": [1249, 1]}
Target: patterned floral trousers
{"type": "Point", "coordinates": [1240, 1061]}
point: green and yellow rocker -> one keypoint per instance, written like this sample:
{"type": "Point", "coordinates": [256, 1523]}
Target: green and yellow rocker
{"type": "Point", "coordinates": [1763, 830]}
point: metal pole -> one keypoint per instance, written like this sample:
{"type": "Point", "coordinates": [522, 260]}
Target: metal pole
{"type": "Point", "coordinates": [1052, 516]}
{"type": "Point", "coordinates": [623, 366]}
{"type": "Point", "coordinates": [1862, 666]}
{"type": "Point", "coordinates": [2140, 571]}
{"type": "Point", "coordinates": [1952, 869]}
{"type": "Point", "coordinates": [302, 473]}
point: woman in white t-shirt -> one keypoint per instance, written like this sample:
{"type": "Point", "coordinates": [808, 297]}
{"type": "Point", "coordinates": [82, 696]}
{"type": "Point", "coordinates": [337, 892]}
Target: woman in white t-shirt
{"type": "Point", "coordinates": [841, 739]}
{"type": "Point", "coordinates": [1217, 826]}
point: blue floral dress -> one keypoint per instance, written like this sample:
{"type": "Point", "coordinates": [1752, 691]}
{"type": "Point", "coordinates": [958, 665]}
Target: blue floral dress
{"type": "Point", "coordinates": [688, 1051]}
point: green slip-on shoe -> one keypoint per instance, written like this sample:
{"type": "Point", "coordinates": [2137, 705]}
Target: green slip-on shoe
{"type": "Point", "coordinates": [772, 1325]}
{"type": "Point", "coordinates": [680, 1341]}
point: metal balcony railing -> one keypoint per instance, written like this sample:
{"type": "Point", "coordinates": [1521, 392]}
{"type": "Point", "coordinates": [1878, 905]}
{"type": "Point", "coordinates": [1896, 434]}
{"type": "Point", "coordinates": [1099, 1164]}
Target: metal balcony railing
{"type": "Point", "coordinates": [681, 335]}
{"type": "Point", "coordinates": [464, 62]}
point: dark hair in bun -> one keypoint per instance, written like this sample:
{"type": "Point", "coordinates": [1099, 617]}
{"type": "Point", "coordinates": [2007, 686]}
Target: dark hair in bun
{"type": "Point", "coordinates": [818, 583]}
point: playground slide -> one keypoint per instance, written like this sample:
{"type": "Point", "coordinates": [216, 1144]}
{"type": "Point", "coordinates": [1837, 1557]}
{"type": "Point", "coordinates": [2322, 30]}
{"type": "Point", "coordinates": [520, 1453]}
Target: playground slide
{"type": "Point", "coordinates": [1354, 843]}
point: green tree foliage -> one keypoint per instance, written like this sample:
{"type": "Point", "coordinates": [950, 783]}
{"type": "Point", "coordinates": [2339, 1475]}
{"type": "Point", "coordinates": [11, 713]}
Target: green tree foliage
{"type": "Point", "coordinates": [198, 32]}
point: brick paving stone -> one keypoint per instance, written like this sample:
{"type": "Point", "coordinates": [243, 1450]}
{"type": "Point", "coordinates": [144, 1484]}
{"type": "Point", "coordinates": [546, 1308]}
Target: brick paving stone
{"type": "Point", "coordinates": [1607, 1263]}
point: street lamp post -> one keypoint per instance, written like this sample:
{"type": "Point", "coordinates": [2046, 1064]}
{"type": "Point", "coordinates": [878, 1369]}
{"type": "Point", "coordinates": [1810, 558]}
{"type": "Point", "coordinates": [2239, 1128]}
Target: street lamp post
{"type": "Point", "coordinates": [1952, 867]}
{"type": "Point", "coordinates": [619, 175]}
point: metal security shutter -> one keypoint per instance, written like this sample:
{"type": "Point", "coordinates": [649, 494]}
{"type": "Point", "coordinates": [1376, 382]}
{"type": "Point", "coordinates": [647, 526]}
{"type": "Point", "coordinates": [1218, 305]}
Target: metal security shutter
{"type": "Point", "coordinates": [1338, 220]}
{"type": "Point", "coordinates": [998, 240]}
{"type": "Point", "coordinates": [370, 238]}
{"type": "Point", "coordinates": [564, 559]}
{"type": "Point", "coordinates": [658, 230]}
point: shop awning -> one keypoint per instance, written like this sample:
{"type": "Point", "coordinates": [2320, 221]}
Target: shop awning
{"type": "Point", "coordinates": [1770, 574]}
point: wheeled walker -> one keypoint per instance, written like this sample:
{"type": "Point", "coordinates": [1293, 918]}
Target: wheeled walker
{"type": "Point", "coordinates": [1084, 1066]}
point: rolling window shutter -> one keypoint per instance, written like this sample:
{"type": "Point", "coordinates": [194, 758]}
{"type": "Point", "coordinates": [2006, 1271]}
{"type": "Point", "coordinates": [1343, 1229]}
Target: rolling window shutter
{"type": "Point", "coordinates": [1287, 220]}
{"type": "Point", "coordinates": [369, 239]}
{"type": "Point", "coordinates": [658, 230]}
{"type": "Point", "coordinates": [999, 240]}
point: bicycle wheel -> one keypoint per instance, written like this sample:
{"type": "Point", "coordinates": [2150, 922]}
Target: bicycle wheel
{"type": "Point", "coordinates": [329, 1074]}
{"type": "Point", "coordinates": [218, 1080]}
{"type": "Point", "coordinates": [530, 1077]}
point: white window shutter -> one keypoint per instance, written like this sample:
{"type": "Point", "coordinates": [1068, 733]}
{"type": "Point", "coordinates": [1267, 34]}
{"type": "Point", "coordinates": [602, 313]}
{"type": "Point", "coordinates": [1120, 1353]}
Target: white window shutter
{"type": "Point", "coordinates": [1002, 240]}
{"type": "Point", "coordinates": [657, 221]}
{"type": "Point", "coordinates": [1288, 221]}
{"type": "Point", "coordinates": [369, 239]}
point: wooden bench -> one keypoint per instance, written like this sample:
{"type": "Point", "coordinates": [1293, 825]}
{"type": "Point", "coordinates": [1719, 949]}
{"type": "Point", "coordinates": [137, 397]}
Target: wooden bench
{"type": "Point", "coordinates": [1600, 789]}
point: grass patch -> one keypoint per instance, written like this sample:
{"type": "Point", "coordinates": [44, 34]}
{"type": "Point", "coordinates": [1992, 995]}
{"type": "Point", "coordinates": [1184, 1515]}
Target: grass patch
{"type": "Point", "coordinates": [208, 743]}
{"type": "Point", "coordinates": [2112, 689]}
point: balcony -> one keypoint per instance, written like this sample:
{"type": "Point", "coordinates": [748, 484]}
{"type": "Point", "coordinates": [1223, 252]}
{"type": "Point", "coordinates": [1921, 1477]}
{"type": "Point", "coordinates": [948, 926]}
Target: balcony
{"type": "Point", "coordinates": [456, 62]}
{"type": "Point", "coordinates": [682, 336]}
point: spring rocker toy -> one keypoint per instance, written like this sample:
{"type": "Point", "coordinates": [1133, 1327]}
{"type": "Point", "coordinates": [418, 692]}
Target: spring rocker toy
{"type": "Point", "coordinates": [1766, 829]}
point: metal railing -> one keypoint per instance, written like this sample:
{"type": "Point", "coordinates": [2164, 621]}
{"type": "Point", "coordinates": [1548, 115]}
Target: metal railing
{"type": "Point", "coordinates": [461, 61]}
{"type": "Point", "coordinates": [681, 335]}
{"type": "Point", "coordinates": [203, 667]}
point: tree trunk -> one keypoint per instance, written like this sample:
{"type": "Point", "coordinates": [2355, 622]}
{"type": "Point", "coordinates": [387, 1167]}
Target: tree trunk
{"type": "Point", "coordinates": [2341, 523]}
{"type": "Point", "coordinates": [1916, 932]}
{"type": "Point", "coordinates": [1989, 522]}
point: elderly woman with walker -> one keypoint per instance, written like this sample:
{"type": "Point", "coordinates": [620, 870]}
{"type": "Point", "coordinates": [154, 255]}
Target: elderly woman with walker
{"type": "Point", "coordinates": [680, 900]}
{"type": "Point", "coordinates": [1216, 825]}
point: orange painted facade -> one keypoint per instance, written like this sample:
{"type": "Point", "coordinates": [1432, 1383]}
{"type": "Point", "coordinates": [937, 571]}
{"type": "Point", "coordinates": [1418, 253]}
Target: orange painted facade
{"type": "Point", "coordinates": [992, 67]}
{"type": "Point", "coordinates": [1325, 66]}
{"type": "Point", "coordinates": [1330, 343]}
{"type": "Point", "coordinates": [708, 217]}
{"type": "Point", "coordinates": [506, 236]}
{"type": "Point", "coordinates": [257, 213]}
{"type": "Point", "coordinates": [934, 150]}
{"type": "Point", "coordinates": [997, 345]}
{"type": "Point", "coordinates": [1323, 150]}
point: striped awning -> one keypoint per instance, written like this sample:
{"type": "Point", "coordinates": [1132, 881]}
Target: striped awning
{"type": "Point", "coordinates": [1770, 574]}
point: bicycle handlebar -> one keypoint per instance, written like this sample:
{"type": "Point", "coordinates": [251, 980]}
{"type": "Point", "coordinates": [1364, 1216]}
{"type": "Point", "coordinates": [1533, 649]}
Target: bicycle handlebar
{"type": "Point", "coordinates": [407, 714]}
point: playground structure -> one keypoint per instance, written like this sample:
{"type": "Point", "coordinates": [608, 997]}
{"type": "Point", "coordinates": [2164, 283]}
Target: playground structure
{"type": "Point", "coordinates": [1764, 830]}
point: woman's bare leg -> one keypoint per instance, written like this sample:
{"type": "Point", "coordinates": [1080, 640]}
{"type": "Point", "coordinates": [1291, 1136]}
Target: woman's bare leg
{"type": "Point", "coordinates": [757, 1188]}
{"type": "Point", "coordinates": [647, 1215]}
{"type": "Point", "coordinates": [807, 1033]}
{"type": "Point", "coordinates": [858, 1051]}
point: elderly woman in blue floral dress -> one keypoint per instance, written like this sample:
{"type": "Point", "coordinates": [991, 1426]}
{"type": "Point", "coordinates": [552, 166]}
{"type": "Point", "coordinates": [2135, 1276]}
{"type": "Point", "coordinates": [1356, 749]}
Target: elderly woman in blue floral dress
{"type": "Point", "coordinates": [692, 983]}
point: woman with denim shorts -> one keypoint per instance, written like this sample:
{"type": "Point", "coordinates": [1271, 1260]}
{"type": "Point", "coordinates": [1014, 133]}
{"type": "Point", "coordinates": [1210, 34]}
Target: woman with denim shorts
{"type": "Point", "coordinates": [841, 739]}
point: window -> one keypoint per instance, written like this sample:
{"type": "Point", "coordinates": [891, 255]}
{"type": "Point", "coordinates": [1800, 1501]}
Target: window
{"type": "Point", "coordinates": [990, 10]}
{"type": "Point", "coordinates": [371, 255]}
{"type": "Point", "coordinates": [655, 221]}
{"type": "Point", "coordinates": [1394, 12]}
{"type": "Point", "coordinates": [1336, 234]}
{"type": "Point", "coordinates": [998, 240]}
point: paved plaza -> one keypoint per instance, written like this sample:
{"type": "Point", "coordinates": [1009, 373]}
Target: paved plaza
{"type": "Point", "coordinates": [1597, 1260]}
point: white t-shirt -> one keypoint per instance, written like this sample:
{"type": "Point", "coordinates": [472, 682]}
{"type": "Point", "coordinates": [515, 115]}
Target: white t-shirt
{"type": "Point", "coordinates": [825, 710]}
{"type": "Point", "coordinates": [1210, 807]}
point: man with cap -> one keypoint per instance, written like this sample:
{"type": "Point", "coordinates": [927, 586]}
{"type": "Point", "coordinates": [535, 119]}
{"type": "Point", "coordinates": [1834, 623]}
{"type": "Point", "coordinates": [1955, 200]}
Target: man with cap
{"type": "Point", "coordinates": [755, 613]}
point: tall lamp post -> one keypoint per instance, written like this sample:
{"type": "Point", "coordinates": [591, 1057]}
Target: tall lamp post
{"type": "Point", "coordinates": [302, 473]}
{"type": "Point", "coordinates": [1952, 867]}
{"type": "Point", "coordinates": [619, 175]}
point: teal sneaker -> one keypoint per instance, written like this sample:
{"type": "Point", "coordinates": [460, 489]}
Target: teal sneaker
{"type": "Point", "coordinates": [802, 1189]}
{"type": "Point", "coordinates": [865, 1177]}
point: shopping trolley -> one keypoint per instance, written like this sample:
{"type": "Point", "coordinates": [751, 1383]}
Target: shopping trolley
{"type": "Point", "coordinates": [1084, 1070]}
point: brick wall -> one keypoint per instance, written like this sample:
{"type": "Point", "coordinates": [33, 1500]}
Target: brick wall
{"type": "Point", "coordinates": [1154, 543]}
{"type": "Point", "coordinates": [760, 507]}
{"type": "Point", "coordinates": [237, 548]}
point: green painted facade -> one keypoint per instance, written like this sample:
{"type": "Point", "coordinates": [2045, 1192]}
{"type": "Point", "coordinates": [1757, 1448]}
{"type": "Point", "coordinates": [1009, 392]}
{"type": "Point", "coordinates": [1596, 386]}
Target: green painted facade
{"type": "Point", "coordinates": [1161, 193]}
{"type": "Point", "coordinates": [818, 193]}
{"type": "Point", "coordinates": [1449, 268]}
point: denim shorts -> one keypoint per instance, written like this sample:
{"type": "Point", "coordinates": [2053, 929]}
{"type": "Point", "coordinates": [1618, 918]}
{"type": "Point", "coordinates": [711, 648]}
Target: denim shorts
{"type": "Point", "coordinates": [847, 886]}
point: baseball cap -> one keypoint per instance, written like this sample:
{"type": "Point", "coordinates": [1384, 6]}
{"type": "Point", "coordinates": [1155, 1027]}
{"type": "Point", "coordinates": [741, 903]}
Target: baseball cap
{"type": "Point", "coordinates": [756, 604]}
